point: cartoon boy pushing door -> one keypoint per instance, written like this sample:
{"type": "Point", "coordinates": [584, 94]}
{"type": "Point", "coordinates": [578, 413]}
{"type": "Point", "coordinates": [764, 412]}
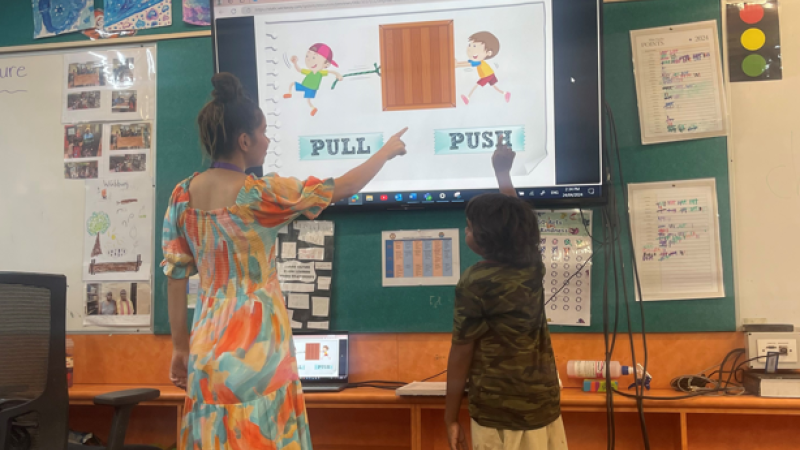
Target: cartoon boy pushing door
{"type": "Point", "coordinates": [318, 58]}
{"type": "Point", "coordinates": [482, 46]}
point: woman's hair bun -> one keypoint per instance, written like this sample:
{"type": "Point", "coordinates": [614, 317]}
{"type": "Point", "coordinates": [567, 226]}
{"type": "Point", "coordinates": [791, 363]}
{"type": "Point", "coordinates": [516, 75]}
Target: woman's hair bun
{"type": "Point", "coordinates": [227, 88]}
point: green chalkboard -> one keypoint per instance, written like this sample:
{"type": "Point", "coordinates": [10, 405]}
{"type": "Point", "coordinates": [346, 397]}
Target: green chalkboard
{"type": "Point", "coordinates": [184, 86]}
{"type": "Point", "coordinates": [360, 304]}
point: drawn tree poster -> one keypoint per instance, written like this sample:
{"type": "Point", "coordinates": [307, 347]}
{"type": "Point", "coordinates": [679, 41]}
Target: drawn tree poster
{"type": "Point", "coordinates": [119, 229]}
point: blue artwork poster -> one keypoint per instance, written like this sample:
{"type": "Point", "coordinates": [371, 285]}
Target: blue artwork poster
{"type": "Point", "coordinates": [52, 17]}
{"type": "Point", "coordinates": [137, 14]}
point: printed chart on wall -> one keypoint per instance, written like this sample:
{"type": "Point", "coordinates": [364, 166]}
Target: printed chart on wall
{"type": "Point", "coordinates": [118, 227]}
{"type": "Point", "coordinates": [676, 239]}
{"type": "Point", "coordinates": [305, 271]}
{"type": "Point", "coordinates": [421, 257]}
{"type": "Point", "coordinates": [679, 82]}
{"type": "Point", "coordinates": [462, 76]}
{"type": "Point", "coordinates": [567, 252]}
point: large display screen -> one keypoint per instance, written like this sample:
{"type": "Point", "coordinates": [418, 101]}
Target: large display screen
{"type": "Point", "coordinates": [336, 79]}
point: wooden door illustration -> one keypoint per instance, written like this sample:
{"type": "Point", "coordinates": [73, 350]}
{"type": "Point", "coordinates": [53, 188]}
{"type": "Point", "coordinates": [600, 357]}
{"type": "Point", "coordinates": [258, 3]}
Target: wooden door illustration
{"type": "Point", "coordinates": [418, 65]}
{"type": "Point", "coordinates": [312, 351]}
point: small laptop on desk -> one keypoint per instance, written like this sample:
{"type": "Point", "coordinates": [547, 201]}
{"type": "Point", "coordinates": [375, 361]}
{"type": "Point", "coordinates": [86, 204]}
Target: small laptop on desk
{"type": "Point", "coordinates": [322, 360]}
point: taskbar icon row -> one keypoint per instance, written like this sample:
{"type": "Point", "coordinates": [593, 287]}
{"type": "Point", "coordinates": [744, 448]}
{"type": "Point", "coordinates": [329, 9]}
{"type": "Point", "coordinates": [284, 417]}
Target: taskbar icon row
{"type": "Point", "coordinates": [454, 196]}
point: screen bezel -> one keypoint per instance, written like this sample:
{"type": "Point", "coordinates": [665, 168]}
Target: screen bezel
{"type": "Point", "coordinates": [564, 11]}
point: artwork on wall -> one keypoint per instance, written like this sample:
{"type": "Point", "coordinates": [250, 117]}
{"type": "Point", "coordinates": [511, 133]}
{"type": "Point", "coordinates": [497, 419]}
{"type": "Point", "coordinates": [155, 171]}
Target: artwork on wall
{"type": "Point", "coordinates": [137, 14]}
{"type": "Point", "coordinates": [117, 243]}
{"type": "Point", "coordinates": [54, 17]}
{"type": "Point", "coordinates": [197, 12]}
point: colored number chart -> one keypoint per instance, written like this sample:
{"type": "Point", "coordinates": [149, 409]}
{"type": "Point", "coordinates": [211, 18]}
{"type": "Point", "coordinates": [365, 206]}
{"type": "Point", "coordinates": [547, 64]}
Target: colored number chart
{"type": "Point", "coordinates": [421, 257]}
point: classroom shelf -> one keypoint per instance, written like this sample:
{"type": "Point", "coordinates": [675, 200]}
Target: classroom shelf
{"type": "Point", "coordinates": [368, 418]}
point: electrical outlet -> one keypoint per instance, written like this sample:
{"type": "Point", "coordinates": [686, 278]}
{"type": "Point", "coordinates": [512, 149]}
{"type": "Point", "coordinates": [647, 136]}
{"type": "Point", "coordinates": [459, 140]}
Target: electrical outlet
{"type": "Point", "coordinates": [759, 344]}
{"type": "Point", "coordinates": [787, 348]}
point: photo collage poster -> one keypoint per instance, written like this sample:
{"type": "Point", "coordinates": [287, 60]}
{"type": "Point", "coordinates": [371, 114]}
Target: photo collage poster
{"type": "Point", "coordinates": [108, 124]}
{"type": "Point", "coordinates": [108, 113]}
{"type": "Point", "coordinates": [305, 271]}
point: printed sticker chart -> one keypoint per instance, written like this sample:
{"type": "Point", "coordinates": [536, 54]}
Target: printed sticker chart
{"type": "Point", "coordinates": [305, 271]}
{"type": "Point", "coordinates": [676, 239]}
{"type": "Point", "coordinates": [567, 252]}
{"type": "Point", "coordinates": [679, 86]}
{"type": "Point", "coordinates": [421, 257]}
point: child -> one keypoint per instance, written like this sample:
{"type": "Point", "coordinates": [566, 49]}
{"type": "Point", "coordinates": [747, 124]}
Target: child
{"type": "Point", "coordinates": [318, 58]}
{"type": "Point", "coordinates": [482, 46]}
{"type": "Point", "coordinates": [500, 338]}
{"type": "Point", "coordinates": [108, 307]}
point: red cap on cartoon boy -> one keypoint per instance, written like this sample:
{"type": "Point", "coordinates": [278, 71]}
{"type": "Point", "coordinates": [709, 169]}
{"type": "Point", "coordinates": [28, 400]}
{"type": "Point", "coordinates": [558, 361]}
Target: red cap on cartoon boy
{"type": "Point", "coordinates": [324, 51]}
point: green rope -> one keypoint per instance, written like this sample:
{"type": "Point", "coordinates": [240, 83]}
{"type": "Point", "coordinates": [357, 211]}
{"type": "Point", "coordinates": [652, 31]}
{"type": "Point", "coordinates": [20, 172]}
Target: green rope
{"type": "Point", "coordinates": [377, 70]}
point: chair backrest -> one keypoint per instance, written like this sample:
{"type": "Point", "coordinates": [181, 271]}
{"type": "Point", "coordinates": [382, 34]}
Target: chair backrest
{"type": "Point", "coordinates": [33, 357]}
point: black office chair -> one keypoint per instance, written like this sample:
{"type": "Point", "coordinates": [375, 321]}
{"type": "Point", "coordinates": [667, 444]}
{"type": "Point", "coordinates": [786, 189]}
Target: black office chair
{"type": "Point", "coordinates": [34, 402]}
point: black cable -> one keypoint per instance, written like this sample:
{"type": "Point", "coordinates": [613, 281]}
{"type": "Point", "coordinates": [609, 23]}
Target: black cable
{"type": "Point", "coordinates": [389, 385]}
{"type": "Point", "coordinates": [639, 386]}
{"type": "Point", "coordinates": [586, 228]}
{"type": "Point", "coordinates": [566, 282]}
{"type": "Point", "coordinates": [733, 365]}
{"type": "Point", "coordinates": [610, 424]}
{"type": "Point", "coordinates": [677, 397]}
{"type": "Point", "coordinates": [434, 376]}
{"type": "Point", "coordinates": [376, 386]}
{"type": "Point", "coordinates": [381, 382]}
{"type": "Point", "coordinates": [738, 368]}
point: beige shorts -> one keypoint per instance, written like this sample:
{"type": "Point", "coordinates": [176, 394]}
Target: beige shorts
{"type": "Point", "coordinates": [551, 437]}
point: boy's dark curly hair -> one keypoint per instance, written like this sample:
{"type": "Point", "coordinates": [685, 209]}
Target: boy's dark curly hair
{"type": "Point", "coordinates": [505, 228]}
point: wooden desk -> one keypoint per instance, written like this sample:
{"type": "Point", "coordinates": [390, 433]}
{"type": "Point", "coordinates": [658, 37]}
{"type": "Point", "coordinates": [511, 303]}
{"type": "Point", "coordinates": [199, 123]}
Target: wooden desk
{"type": "Point", "coordinates": [368, 418]}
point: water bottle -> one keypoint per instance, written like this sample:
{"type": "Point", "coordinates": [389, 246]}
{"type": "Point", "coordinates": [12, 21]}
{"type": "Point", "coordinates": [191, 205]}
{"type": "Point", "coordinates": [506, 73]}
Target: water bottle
{"type": "Point", "coordinates": [597, 369]}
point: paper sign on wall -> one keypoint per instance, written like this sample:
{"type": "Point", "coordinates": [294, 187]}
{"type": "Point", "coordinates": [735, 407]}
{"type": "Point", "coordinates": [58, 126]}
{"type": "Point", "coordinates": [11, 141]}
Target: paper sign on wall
{"type": "Point", "coordinates": [679, 82]}
{"type": "Point", "coordinates": [676, 239]}
{"type": "Point", "coordinates": [305, 269]}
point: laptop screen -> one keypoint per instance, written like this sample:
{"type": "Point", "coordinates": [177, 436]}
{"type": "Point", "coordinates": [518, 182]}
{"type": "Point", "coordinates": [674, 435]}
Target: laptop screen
{"type": "Point", "coordinates": [321, 356]}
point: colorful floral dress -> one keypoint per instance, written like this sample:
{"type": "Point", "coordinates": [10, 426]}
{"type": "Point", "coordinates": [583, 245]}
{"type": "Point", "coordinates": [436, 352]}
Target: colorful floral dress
{"type": "Point", "coordinates": [243, 391]}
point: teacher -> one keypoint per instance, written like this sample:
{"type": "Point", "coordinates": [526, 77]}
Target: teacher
{"type": "Point", "coordinates": [239, 367]}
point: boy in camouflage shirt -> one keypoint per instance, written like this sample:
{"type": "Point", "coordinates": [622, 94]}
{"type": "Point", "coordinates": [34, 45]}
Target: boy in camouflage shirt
{"type": "Point", "coordinates": [501, 343]}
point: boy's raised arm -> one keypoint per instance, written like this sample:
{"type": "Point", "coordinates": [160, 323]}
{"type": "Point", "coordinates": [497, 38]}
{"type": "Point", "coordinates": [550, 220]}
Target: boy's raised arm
{"type": "Point", "coordinates": [502, 160]}
{"type": "Point", "coordinates": [296, 66]}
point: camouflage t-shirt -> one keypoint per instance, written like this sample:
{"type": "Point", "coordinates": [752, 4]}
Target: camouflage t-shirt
{"type": "Point", "coordinates": [513, 384]}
